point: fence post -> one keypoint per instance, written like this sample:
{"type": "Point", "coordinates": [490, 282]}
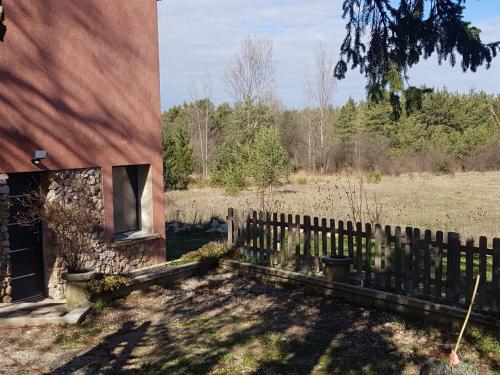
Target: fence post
{"type": "Point", "coordinates": [230, 227]}
{"type": "Point", "coordinates": [307, 242]}
{"type": "Point", "coordinates": [255, 234]}
{"type": "Point", "coordinates": [469, 269]}
{"type": "Point", "coordinates": [324, 241]}
{"type": "Point", "coordinates": [350, 242]}
{"type": "Point", "coordinates": [378, 253]}
{"type": "Point", "coordinates": [275, 239]}
{"type": "Point", "coordinates": [387, 257]}
{"type": "Point", "coordinates": [450, 266]}
{"type": "Point", "coordinates": [483, 244]}
{"type": "Point", "coordinates": [438, 267]}
{"type": "Point", "coordinates": [457, 269]}
{"type": "Point", "coordinates": [316, 245]}
{"type": "Point", "coordinates": [268, 246]}
{"type": "Point", "coordinates": [341, 239]}
{"type": "Point", "coordinates": [359, 251]}
{"type": "Point", "coordinates": [397, 256]}
{"type": "Point", "coordinates": [408, 258]}
{"type": "Point", "coordinates": [368, 254]}
{"type": "Point", "coordinates": [236, 226]}
{"type": "Point", "coordinates": [290, 239]}
{"type": "Point", "coordinates": [416, 260]}
{"type": "Point", "coordinates": [427, 262]}
{"type": "Point", "coordinates": [282, 246]}
{"type": "Point", "coordinates": [333, 251]}
{"type": "Point", "coordinates": [297, 243]}
{"type": "Point", "coordinates": [248, 233]}
{"type": "Point", "coordinates": [496, 273]}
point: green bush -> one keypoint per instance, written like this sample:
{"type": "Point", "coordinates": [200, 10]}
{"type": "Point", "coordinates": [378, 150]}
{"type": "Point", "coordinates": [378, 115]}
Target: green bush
{"type": "Point", "coordinates": [268, 160]}
{"type": "Point", "coordinates": [178, 159]}
{"type": "Point", "coordinates": [227, 169]}
{"type": "Point", "coordinates": [107, 284]}
{"type": "Point", "coordinates": [209, 251]}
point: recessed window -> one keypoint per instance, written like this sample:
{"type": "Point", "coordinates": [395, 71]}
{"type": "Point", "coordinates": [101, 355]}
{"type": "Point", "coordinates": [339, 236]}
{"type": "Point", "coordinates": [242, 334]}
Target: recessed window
{"type": "Point", "coordinates": [126, 200]}
{"type": "Point", "coordinates": [132, 201]}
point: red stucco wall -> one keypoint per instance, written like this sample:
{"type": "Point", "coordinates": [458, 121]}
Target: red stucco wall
{"type": "Point", "coordinates": [80, 79]}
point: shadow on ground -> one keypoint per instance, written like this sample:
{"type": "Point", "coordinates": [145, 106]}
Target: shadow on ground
{"type": "Point", "coordinates": [223, 324]}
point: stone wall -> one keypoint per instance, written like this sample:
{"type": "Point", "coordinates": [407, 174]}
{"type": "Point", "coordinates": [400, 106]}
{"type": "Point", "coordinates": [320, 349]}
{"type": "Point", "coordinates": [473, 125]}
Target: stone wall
{"type": "Point", "coordinates": [5, 288]}
{"type": "Point", "coordinates": [102, 257]}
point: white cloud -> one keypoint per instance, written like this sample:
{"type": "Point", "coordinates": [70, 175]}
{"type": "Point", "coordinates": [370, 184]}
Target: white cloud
{"type": "Point", "coordinates": [198, 36]}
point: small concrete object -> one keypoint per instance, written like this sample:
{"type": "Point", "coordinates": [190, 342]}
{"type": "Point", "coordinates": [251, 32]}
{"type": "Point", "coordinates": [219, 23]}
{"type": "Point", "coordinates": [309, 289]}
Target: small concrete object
{"type": "Point", "coordinates": [77, 293]}
{"type": "Point", "coordinates": [28, 314]}
{"type": "Point", "coordinates": [337, 268]}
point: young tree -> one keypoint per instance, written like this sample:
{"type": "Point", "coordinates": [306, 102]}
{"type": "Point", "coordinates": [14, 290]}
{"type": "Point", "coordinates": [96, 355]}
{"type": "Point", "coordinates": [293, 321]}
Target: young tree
{"type": "Point", "coordinates": [178, 160]}
{"type": "Point", "coordinates": [251, 74]}
{"type": "Point", "coordinates": [267, 162]}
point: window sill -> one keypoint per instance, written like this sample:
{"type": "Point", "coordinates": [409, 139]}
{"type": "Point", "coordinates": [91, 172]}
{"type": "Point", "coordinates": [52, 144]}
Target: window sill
{"type": "Point", "coordinates": [134, 238]}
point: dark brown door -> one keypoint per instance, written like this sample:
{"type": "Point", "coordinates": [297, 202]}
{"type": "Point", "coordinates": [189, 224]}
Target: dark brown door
{"type": "Point", "coordinates": [25, 243]}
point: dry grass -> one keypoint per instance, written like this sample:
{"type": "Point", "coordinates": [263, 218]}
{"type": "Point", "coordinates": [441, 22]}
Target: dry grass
{"type": "Point", "coordinates": [468, 203]}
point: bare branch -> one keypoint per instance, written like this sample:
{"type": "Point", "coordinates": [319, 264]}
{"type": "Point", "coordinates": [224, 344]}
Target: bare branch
{"type": "Point", "coordinates": [251, 73]}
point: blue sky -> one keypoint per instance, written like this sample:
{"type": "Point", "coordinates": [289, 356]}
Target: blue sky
{"type": "Point", "coordinates": [199, 37]}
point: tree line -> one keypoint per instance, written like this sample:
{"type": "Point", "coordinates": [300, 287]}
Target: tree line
{"type": "Point", "coordinates": [257, 139]}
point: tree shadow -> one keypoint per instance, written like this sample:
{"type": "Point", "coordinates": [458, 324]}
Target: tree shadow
{"type": "Point", "coordinates": [110, 355]}
{"type": "Point", "coordinates": [267, 330]}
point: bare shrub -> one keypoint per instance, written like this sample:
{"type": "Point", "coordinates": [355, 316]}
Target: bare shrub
{"type": "Point", "coordinates": [486, 158]}
{"type": "Point", "coordinates": [363, 209]}
{"type": "Point", "coordinates": [71, 221]}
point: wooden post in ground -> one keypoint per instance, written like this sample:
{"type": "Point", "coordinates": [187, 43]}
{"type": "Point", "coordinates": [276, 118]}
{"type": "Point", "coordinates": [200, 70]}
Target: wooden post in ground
{"type": "Point", "coordinates": [230, 227]}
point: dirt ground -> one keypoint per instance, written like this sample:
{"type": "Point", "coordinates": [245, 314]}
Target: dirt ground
{"type": "Point", "coordinates": [467, 203]}
{"type": "Point", "coordinates": [221, 323]}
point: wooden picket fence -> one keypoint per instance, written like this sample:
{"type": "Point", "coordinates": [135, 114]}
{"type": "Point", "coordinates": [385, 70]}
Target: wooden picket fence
{"type": "Point", "coordinates": [423, 264]}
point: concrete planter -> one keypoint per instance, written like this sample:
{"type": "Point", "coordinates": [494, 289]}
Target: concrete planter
{"type": "Point", "coordinates": [77, 293]}
{"type": "Point", "coordinates": [337, 269]}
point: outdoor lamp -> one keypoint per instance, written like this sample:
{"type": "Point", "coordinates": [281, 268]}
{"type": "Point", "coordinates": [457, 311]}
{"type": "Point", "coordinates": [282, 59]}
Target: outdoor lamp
{"type": "Point", "coordinates": [39, 156]}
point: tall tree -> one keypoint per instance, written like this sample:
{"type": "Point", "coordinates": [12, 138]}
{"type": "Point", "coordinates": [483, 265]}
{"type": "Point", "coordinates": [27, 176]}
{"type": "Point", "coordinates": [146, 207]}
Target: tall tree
{"type": "Point", "coordinates": [250, 75]}
{"type": "Point", "coordinates": [322, 87]}
{"type": "Point", "coordinates": [202, 120]}
{"type": "Point", "coordinates": [400, 35]}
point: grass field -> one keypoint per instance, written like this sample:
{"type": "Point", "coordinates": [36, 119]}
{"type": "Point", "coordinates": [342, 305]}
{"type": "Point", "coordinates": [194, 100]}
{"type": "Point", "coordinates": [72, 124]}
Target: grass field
{"type": "Point", "coordinates": [468, 203]}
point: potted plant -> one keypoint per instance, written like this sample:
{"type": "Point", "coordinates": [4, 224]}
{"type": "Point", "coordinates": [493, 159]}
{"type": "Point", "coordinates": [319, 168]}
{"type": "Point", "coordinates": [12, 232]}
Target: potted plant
{"type": "Point", "coordinates": [70, 222]}
{"type": "Point", "coordinates": [337, 268]}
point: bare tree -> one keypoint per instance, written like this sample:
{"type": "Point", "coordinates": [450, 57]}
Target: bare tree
{"type": "Point", "coordinates": [323, 88]}
{"type": "Point", "coordinates": [308, 117]}
{"type": "Point", "coordinates": [251, 74]}
{"type": "Point", "coordinates": [202, 121]}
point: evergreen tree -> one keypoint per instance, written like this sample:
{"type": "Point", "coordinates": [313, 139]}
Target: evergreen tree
{"type": "Point", "coordinates": [178, 159]}
{"type": "Point", "coordinates": [400, 33]}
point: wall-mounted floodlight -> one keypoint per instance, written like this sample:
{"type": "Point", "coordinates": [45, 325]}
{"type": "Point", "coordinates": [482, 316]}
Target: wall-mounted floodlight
{"type": "Point", "coordinates": [39, 156]}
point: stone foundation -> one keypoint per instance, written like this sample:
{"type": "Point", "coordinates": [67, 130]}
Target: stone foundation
{"type": "Point", "coordinates": [5, 288]}
{"type": "Point", "coordinates": [61, 185]}
{"type": "Point", "coordinates": [102, 258]}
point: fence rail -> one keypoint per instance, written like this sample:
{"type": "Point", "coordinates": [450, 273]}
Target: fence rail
{"type": "Point", "coordinates": [435, 266]}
